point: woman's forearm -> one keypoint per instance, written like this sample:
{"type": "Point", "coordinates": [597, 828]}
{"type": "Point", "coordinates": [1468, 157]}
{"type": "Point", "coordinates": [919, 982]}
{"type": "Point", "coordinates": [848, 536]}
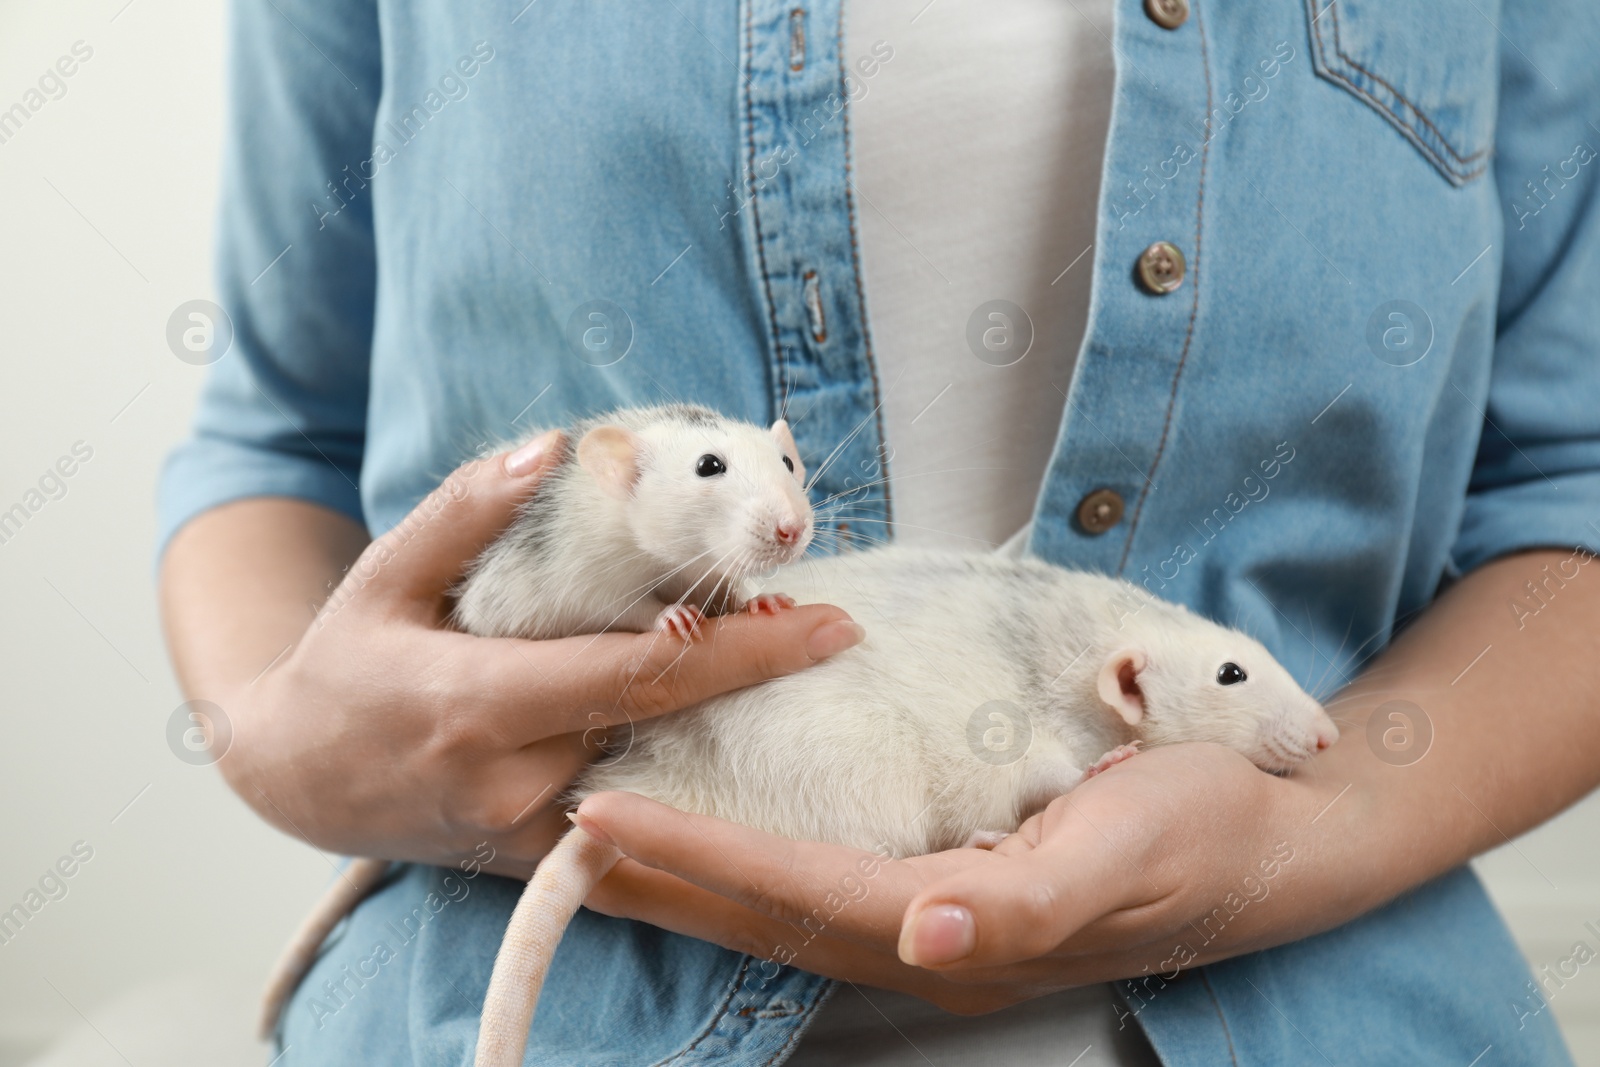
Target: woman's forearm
{"type": "Point", "coordinates": [240, 583]}
{"type": "Point", "coordinates": [1509, 685]}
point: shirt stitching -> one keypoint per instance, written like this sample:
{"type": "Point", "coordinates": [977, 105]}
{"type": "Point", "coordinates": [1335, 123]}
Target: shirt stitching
{"type": "Point", "coordinates": [1338, 47]}
{"type": "Point", "coordinates": [861, 296]}
{"type": "Point", "coordinates": [1194, 307]}
{"type": "Point", "coordinates": [716, 1019]}
{"type": "Point", "coordinates": [1405, 128]}
{"type": "Point", "coordinates": [799, 1030]}
{"type": "Point", "coordinates": [1215, 1003]}
{"type": "Point", "coordinates": [780, 368]}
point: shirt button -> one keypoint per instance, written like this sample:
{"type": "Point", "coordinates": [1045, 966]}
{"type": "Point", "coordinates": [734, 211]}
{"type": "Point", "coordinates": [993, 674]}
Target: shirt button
{"type": "Point", "coordinates": [1168, 14]}
{"type": "Point", "coordinates": [1099, 511]}
{"type": "Point", "coordinates": [1161, 268]}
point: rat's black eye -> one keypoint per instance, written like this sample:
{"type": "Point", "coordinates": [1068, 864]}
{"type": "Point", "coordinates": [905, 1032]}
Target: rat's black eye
{"type": "Point", "coordinates": [787, 462]}
{"type": "Point", "coordinates": [709, 466]}
{"type": "Point", "coordinates": [1230, 674]}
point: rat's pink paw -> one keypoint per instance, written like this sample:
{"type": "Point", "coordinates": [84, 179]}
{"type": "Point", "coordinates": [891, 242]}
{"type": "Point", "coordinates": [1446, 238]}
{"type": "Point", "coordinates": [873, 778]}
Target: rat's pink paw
{"type": "Point", "coordinates": [1112, 758]}
{"type": "Point", "coordinates": [772, 603]}
{"type": "Point", "coordinates": [985, 839]}
{"type": "Point", "coordinates": [681, 619]}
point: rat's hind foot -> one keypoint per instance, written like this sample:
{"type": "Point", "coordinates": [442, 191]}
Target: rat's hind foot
{"type": "Point", "coordinates": [680, 619]}
{"type": "Point", "coordinates": [771, 603]}
{"type": "Point", "coordinates": [1112, 758]}
{"type": "Point", "coordinates": [986, 839]}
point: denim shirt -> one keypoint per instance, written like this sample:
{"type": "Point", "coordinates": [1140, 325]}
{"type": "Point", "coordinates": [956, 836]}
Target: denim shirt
{"type": "Point", "coordinates": [445, 223]}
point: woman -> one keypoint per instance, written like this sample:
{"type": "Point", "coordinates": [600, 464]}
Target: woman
{"type": "Point", "coordinates": [1333, 375]}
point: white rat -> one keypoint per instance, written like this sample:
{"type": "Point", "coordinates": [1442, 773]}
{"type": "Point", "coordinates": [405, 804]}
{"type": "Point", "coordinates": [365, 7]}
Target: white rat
{"type": "Point", "coordinates": [665, 514]}
{"type": "Point", "coordinates": [655, 518]}
{"type": "Point", "coordinates": [986, 688]}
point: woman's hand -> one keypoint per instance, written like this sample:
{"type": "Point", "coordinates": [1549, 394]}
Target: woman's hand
{"type": "Point", "coordinates": [382, 732]}
{"type": "Point", "coordinates": [1178, 856]}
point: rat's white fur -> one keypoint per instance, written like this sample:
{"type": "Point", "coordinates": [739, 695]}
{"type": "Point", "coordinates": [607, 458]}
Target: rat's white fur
{"type": "Point", "coordinates": [876, 746]}
{"type": "Point", "coordinates": [587, 555]}
{"type": "Point", "coordinates": [881, 746]}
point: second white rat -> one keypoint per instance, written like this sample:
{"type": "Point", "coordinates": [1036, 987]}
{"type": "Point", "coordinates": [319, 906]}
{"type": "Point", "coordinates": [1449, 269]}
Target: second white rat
{"type": "Point", "coordinates": [985, 688]}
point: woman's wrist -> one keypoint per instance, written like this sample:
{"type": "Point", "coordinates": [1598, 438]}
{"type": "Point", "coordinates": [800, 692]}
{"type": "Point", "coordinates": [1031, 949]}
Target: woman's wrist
{"type": "Point", "coordinates": [1340, 866]}
{"type": "Point", "coordinates": [240, 584]}
{"type": "Point", "coordinates": [1446, 747]}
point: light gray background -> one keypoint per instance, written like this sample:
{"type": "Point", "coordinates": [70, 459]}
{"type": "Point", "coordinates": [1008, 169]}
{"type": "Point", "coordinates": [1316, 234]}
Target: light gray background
{"type": "Point", "coordinates": [155, 955]}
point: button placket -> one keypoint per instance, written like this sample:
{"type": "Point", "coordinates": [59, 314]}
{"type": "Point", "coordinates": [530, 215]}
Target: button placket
{"type": "Point", "coordinates": [1124, 405]}
{"type": "Point", "coordinates": [802, 245]}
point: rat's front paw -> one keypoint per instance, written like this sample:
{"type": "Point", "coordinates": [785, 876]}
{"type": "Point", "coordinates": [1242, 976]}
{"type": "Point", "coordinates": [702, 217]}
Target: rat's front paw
{"type": "Point", "coordinates": [680, 619]}
{"type": "Point", "coordinates": [1112, 758]}
{"type": "Point", "coordinates": [772, 603]}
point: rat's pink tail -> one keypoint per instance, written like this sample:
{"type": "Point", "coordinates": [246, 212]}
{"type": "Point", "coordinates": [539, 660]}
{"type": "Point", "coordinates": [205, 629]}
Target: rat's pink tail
{"type": "Point", "coordinates": [564, 878]}
{"type": "Point", "coordinates": [348, 890]}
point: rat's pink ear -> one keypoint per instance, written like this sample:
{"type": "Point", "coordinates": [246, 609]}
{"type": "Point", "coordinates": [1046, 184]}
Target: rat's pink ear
{"type": "Point", "coordinates": [780, 433]}
{"type": "Point", "coordinates": [1119, 684]}
{"type": "Point", "coordinates": [611, 456]}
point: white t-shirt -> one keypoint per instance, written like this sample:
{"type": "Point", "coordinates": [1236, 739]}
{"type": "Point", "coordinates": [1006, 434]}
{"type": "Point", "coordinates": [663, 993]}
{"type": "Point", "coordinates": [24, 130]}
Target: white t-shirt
{"type": "Point", "coordinates": [977, 154]}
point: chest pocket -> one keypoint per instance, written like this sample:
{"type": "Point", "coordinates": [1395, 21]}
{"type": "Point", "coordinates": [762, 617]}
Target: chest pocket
{"type": "Point", "coordinates": [1430, 67]}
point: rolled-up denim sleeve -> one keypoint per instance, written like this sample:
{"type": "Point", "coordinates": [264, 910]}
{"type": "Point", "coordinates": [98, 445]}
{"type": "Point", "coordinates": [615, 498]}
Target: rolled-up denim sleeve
{"type": "Point", "coordinates": [1536, 481]}
{"type": "Point", "coordinates": [283, 411]}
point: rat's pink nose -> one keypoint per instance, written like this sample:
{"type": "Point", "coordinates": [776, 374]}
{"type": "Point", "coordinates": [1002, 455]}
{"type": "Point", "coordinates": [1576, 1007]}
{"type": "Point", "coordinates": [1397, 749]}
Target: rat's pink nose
{"type": "Point", "coordinates": [790, 532]}
{"type": "Point", "coordinates": [1327, 733]}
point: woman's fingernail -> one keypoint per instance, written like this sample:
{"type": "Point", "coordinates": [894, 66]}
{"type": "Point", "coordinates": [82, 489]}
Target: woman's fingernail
{"type": "Point", "coordinates": [586, 824]}
{"type": "Point", "coordinates": [525, 459]}
{"type": "Point", "coordinates": [941, 934]}
{"type": "Point", "coordinates": [834, 637]}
